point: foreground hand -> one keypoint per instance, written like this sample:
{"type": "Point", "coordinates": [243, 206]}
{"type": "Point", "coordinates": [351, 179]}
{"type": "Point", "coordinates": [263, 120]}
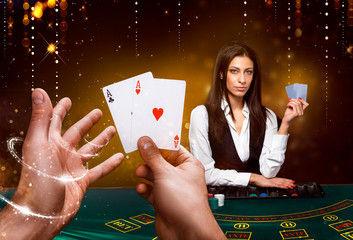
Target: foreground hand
{"type": "Point", "coordinates": [55, 185]}
{"type": "Point", "coordinates": [276, 182]}
{"type": "Point", "coordinates": [178, 194]}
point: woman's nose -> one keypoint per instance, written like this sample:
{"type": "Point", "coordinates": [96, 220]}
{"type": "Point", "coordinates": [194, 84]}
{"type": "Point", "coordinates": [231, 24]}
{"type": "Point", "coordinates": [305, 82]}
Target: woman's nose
{"type": "Point", "coordinates": [242, 78]}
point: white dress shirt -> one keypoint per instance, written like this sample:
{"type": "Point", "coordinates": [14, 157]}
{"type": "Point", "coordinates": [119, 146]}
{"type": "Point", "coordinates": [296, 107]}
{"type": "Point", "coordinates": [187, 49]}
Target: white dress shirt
{"type": "Point", "coordinates": [272, 154]}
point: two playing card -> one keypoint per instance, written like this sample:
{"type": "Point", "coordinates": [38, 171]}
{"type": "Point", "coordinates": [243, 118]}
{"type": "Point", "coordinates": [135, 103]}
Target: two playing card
{"type": "Point", "coordinates": [147, 106]}
{"type": "Point", "coordinates": [297, 91]}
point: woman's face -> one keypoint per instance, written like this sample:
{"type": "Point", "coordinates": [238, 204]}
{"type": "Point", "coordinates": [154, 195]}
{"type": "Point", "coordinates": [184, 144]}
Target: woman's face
{"type": "Point", "coordinates": [239, 76]}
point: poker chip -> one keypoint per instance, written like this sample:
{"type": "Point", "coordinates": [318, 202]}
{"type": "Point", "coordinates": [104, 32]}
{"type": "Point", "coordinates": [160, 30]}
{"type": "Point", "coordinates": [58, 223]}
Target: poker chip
{"type": "Point", "coordinates": [210, 195]}
{"type": "Point", "coordinates": [253, 195]}
{"type": "Point", "coordinates": [263, 195]}
{"type": "Point", "coordinates": [273, 194]}
{"type": "Point", "coordinates": [213, 202]}
{"type": "Point", "coordinates": [220, 198]}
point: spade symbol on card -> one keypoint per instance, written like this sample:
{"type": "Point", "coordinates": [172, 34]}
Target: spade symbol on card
{"type": "Point", "coordinates": [138, 88]}
{"type": "Point", "coordinates": [110, 96]}
{"type": "Point", "coordinates": [157, 112]}
{"type": "Point", "coordinates": [176, 141]}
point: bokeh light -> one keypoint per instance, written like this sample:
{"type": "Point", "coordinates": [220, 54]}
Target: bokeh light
{"type": "Point", "coordinates": [37, 10]}
{"type": "Point", "coordinates": [51, 48]}
{"type": "Point", "coordinates": [51, 3]}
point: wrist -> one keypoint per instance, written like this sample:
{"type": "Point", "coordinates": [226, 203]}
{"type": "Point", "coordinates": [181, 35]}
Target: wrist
{"type": "Point", "coordinates": [33, 224]}
{"type": "Point", "coordinates": [203, 225]}
{"type": "Point", "coordinates": [284, 128]}
{"type": "Point", "coordinates": [31, 227]}
{"type": "Point", "coordinates": [253, 178]}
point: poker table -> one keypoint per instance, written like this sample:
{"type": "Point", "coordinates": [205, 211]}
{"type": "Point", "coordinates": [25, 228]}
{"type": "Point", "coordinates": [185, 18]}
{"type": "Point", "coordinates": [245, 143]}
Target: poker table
{"type": "Point", "coordinates": [117, 213]}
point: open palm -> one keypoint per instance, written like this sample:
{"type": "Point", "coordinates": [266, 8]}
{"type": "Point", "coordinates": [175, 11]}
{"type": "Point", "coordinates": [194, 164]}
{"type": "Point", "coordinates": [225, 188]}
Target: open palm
{"type": "Point", "coordinates": [54, 179]}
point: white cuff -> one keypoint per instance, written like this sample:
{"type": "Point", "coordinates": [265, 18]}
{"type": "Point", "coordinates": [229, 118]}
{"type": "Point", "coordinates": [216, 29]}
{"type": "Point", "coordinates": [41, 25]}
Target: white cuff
{"type": "Point", "coordinates": [241, 179]}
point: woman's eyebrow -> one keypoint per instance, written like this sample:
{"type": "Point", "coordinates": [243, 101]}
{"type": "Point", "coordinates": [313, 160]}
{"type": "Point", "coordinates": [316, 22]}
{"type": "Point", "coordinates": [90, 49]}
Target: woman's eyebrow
{"type": "Point", "coordinates": [249, 68]}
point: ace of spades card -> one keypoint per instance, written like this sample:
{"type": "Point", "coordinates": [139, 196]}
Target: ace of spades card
{"type": "Point", "coordinates": [119, 97]}
{"type": "Point", "coordinates": [158, 112]}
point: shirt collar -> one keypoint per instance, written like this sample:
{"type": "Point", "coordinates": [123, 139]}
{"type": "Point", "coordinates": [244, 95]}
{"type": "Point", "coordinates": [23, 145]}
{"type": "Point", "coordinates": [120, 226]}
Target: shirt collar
{"type": "Point", "coordinates": [226, 109]}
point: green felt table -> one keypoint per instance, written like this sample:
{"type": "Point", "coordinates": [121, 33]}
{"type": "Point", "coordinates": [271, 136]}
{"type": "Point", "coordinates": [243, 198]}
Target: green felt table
{"type": "Point", "coordinates": [123, 214]}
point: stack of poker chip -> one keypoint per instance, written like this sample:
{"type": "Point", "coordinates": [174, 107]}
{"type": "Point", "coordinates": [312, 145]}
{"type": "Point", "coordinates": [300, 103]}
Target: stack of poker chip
{"type": "Point", "coordinates": [215, 201]}
{"type": "Point", "coordinates": [220, 198]}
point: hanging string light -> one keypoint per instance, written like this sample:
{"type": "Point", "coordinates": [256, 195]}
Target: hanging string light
{"type": "Point", "coordinates": [298, 21]}
{"type": "Point", "coordinates": [343, 23]}
{"type": "Point", "coordinates": [136, 25]}
{"type": "Point", "coordinates": [326, 54]}
{"type": "Point", "coordinates": [350, 13]}
{"type": "Point", "coordinates": [269, 6]}
{"type": "Point", "coordinates": [59, 39]}
{"type": "Point", "coordinates": [26, 41]}
{"type": "Point", "coordinates": [245, 18]}
{"type": "Point", "coordinates": [4, 31]}
{"type": "Point", "coordinates": [179, 26]}
{"type": "Point", "coordinates": [10, 22]}
{"type": "Point", "coordinates": [32, 16]}
{"type": "Point", "coordinates": [289, 56]}
{"type": "Point", "coordinates": [275, 4]}
{"type": "Point", "coordinates": [272, 4]}
{"type": "Point", "coordinates": [36, 14]}
{"type": "Point", "coordinates": [63, 23]}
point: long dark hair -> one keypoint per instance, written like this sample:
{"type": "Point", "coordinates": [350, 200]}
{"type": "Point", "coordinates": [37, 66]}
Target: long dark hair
{"type": "Point", "coordinates": [217, 121]}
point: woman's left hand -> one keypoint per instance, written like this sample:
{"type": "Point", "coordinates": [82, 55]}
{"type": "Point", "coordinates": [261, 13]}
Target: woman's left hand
{"type": "Point", "coordinates": [295, 108]}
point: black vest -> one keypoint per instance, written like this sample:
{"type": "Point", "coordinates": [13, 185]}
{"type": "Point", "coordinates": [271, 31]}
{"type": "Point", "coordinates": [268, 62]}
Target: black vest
{"type": "Point", "coordinates": [226, 155]}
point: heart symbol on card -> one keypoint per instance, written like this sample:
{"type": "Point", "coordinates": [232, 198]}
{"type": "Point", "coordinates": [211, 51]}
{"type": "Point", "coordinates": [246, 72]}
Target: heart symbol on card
{"type": "Point", "coordinates": [157, 112]}
{"type": "Point", "coordinates": [138, 91]}
{"type": "Point", "coordinates": [176, 141]}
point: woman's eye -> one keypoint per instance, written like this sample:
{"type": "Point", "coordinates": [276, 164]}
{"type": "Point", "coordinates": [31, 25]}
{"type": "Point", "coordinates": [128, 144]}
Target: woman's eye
{"type": "Point", "coordinates": [249, 72]}
{"type": "Point", "coordinates": [233, 71]}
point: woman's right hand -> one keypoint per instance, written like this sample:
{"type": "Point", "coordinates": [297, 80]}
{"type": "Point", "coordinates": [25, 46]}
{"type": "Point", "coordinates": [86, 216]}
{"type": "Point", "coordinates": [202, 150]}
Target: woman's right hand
{"type": "Point", "coordinates": [276, 182]}
{"type": "Point", "coordinates": [295, 108]}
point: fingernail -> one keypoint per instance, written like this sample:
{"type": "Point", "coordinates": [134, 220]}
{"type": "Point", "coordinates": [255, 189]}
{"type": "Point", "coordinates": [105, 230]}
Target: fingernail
{"type": "Point", "coordinates": [146, 143]}
{"type": "Point", "coordinates": [300, 98]}
{"type": "Point", "coordinates": [147, 146]}
{"type": "Point", "coordinates": [37, 97]}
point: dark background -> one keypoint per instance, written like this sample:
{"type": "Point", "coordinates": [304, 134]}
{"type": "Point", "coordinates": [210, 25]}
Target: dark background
{"type": "Point", "coordinates": [102, 42]}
